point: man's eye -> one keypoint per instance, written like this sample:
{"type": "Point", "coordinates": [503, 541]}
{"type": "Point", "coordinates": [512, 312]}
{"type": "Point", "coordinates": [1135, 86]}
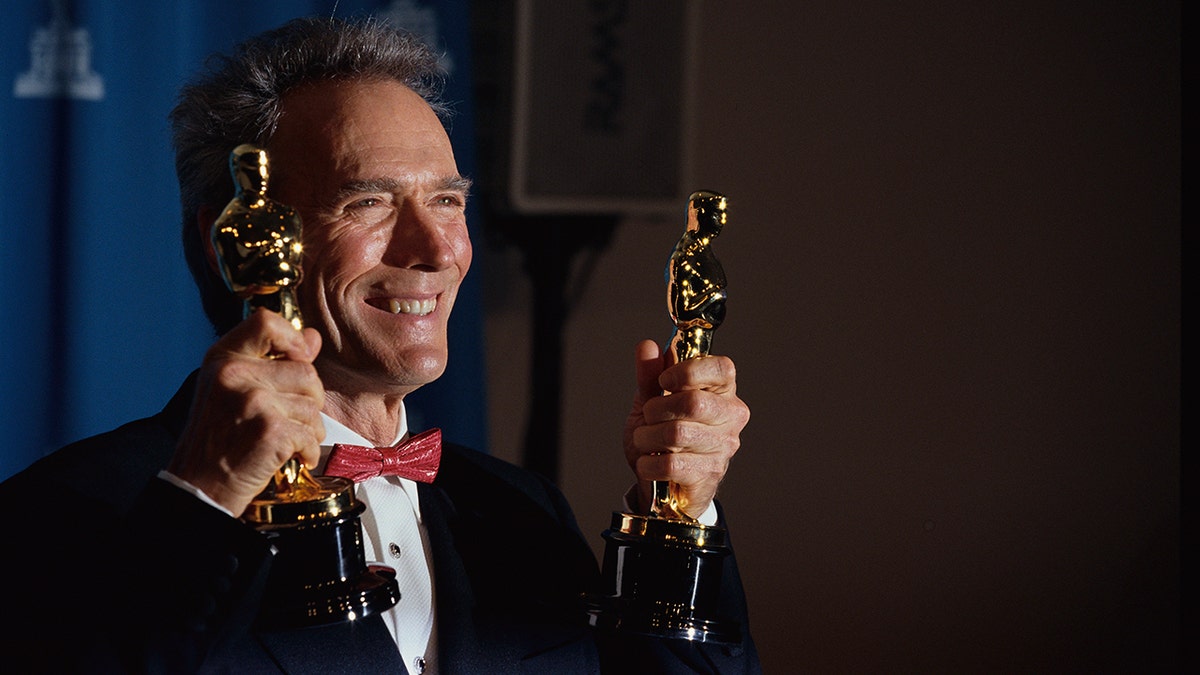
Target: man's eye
{"type": "Point", "coordinates": [367, 202]}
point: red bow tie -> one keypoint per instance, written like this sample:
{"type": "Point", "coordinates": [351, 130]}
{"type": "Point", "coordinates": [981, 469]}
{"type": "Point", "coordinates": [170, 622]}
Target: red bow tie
{"type": "Point", "coordinates": [416, 458]}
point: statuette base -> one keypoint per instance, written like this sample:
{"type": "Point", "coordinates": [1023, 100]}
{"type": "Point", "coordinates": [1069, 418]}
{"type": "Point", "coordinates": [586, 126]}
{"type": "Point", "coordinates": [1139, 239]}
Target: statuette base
{"type": "Point", "coordinates": [662, 578]}
{"type": "Point", "coordinates": [320, 575]}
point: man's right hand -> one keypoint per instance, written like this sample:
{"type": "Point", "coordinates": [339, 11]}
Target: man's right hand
{"type": "Point", "coordinates": [258, 403]}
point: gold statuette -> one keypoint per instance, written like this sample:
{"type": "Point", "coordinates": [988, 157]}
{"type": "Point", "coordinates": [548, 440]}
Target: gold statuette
{"type": "Point", "coordinates": [319, 575]}
{"type": "Point", "coordinates": [695, 279]}
{"type": "Point", "coordinates": [257, 242]}
{"type": "Point", "coordinates": [662, 571]}
{"type": "Point", "coordinates": [696, 302]}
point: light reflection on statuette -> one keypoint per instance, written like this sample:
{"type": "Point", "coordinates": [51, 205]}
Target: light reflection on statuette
{"type": "Point", "coordinates": [696, 301]}
{"type": "Point", "coordinates": [257, 240]}
{"type": "Point", "coordinates": [695, 279]}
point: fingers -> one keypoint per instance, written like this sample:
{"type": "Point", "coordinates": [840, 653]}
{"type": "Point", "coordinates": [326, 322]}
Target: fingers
{"type": "Point", "coordinates": [265, 334]}
{"type": "Point", "coordinates": [685, 425]}
{"type": "Point", "coordinates": [694, 479]}
{"type": "Point", "coordinates": [266, 366]}
{"type": "Point", "coordinates": [258, 403]}
{"type": "Point", "coordinates": [700, 408]}
{"type": "Point", "coordinates": [689, 438]}
{"type": "Point", "coordinates": [713, 373]}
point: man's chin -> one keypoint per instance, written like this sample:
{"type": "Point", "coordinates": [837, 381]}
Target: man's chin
{"type": "Point", "coordinates": [415, 370]}
{"type": "Point", "coordinates": [400, 375]}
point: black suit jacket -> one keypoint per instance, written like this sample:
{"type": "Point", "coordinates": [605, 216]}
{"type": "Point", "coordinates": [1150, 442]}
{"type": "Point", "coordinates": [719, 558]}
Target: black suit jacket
{"type": "Point", "coordinates": [112, 569]}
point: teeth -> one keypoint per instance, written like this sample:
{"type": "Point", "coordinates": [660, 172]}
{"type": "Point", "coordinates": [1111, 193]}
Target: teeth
{"type": "Point", "coordinates": [418, 307]}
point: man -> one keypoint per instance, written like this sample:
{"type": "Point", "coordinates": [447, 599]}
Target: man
{"type": "Point", "coordinates": [128, 554]}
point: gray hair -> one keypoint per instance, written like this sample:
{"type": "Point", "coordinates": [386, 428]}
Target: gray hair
{"type": "Point", "coordinates": [238, 99]}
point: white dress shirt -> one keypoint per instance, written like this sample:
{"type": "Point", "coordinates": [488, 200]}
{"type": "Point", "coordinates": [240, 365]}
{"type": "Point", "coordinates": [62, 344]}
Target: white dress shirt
{"type": "Point", "coordinates": [395, 536]}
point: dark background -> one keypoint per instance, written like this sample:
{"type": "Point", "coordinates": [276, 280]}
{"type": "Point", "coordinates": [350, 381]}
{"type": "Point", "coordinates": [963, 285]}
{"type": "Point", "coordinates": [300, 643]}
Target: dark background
{"type": "Point", "coordinates": [954, 264]}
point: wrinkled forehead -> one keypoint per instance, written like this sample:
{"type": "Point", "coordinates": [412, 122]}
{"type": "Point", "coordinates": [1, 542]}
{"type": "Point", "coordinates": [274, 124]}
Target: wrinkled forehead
{"type": "Point", "coordinates": [325, 105]}
{"type": "Point", "coordinates": [351, 126]}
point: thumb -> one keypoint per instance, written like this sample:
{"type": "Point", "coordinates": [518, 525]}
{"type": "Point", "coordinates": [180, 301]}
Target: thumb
{"type": "Point", "coordinates": [649, 365]}
{"type": "Point", "coordinates": [312, 340]}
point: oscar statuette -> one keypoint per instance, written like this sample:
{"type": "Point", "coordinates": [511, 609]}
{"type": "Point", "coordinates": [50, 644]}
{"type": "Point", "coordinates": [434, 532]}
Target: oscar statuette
{"type": "Point", "coordinates": [319, 574]}
{"type": "Point", "coordinates": [662, 571]}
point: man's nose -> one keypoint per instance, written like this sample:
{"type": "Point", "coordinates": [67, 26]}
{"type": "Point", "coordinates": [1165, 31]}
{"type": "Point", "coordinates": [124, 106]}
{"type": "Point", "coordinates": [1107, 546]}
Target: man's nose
{"type": "Point", "coordinates": [419, 239]}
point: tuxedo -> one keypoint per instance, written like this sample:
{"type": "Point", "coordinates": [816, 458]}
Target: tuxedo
{"type": "Point", "coordinates": [113, 569]}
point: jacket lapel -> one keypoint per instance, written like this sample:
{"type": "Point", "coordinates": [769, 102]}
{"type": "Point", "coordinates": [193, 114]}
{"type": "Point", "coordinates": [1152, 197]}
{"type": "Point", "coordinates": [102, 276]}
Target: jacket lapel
{"type": "Point", "coordinates": [457, 642]}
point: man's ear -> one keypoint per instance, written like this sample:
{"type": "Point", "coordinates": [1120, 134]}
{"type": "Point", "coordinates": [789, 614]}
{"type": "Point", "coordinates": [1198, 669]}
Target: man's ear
{"type": "Point", "coordinates": [205, 217]}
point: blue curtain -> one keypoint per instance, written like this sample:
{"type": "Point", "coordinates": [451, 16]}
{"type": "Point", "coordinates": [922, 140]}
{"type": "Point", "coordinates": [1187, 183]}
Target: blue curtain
{"type": "Point", "coordinates": [99, 319]}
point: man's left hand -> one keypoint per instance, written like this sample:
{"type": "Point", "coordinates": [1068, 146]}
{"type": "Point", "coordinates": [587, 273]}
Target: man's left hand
{"type": "Point", "coordinates": [684, 427]}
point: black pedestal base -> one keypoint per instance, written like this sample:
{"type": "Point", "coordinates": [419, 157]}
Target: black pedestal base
{"type": "Point", "coordinates": [320, 576]}
{"type": "Point", "coordinates": [663, 578]}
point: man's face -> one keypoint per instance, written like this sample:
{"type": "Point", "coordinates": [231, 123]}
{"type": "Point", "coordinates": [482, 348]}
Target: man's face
{"type": "Point", "coordinates": [371, 172]}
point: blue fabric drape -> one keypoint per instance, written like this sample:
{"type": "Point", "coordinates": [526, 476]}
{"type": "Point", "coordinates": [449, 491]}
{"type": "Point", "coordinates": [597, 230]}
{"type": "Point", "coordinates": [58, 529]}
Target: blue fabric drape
{"type": "Point", "coordinates": [99, 319]}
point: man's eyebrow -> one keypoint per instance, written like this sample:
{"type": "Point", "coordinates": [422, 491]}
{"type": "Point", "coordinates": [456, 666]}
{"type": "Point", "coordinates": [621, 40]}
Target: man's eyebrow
{"type": "Point", "coordinates": [457, 183]}
{"type": "Point", "coordinates": [354, 187]}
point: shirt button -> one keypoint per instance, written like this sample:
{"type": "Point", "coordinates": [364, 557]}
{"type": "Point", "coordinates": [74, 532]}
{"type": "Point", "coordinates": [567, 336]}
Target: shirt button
{"type": "Point", "coordinates": [394, 549]}
{"type": "Point", "coordinates": [419, 665]}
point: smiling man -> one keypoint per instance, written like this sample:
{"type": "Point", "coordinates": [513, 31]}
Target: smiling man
{"type": "Point", "coordinates": [491, 567]}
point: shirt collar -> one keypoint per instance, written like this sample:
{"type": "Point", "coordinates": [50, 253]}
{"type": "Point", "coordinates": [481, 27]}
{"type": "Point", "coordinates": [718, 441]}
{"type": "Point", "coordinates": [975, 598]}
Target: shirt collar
{"type": "Point", "coordinates": [336, 432]}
